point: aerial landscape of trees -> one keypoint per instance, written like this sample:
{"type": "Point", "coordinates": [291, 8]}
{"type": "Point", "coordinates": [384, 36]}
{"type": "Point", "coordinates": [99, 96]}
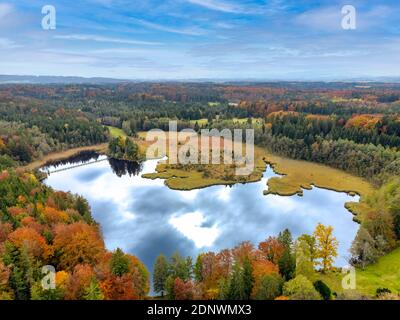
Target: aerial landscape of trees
{"type": "Point", "coordinates": [342, 125]}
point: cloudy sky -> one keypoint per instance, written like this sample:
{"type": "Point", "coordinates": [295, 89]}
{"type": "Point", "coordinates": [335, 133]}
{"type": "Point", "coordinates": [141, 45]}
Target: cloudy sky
{"type": "Point", "coordinates": [194, 39]}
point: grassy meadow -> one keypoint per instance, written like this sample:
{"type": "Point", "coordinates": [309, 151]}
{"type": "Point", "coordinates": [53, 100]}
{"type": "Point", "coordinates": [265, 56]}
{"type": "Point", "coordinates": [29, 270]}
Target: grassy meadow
{"type": "Point", "coordinates": [385, 273]}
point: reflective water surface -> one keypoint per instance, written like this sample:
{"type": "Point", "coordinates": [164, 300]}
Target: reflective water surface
{"type": "Point", "coordinates": [146, 218]}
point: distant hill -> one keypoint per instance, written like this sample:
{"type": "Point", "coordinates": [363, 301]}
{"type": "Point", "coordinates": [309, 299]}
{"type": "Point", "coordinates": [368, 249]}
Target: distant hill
{"type": "Point", "coordinates": [300, 84]}
{"type": "Point", "coordinates": [56, 80]}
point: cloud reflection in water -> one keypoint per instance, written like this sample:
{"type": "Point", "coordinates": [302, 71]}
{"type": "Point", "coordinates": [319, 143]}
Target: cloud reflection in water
{"type": "Point", "coordinates": [145, 218]}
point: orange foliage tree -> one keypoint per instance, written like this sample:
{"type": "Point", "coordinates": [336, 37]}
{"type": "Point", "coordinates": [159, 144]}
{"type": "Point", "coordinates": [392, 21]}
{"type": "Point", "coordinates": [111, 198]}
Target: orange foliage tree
{"type": "Point", "coordinates": [30, 239]}
{"type": "Point", "coordinates": [119, 288]}
{"type": "Point", "coordinates": [77, 281]}
{"type": "Point", "coordinates": [77, 243]}
{"type": "Point", "coordinates": [53, 216]}
{"type": "Point", "coordinates": [262, 268]}
{"type": "Point", "coordinates": [5, 230]}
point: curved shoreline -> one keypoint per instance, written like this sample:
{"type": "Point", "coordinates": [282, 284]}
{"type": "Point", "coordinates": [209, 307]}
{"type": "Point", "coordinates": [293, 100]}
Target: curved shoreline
{"type": "Point", "coordinates": [294, 176]}
{"type": "Point", "coordinates": [63, 155]}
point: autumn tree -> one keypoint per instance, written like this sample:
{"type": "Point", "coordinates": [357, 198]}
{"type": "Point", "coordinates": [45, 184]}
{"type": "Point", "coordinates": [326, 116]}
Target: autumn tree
{"type": "Point", "coordinates": [261, 269]}
{"type": "Point", "coordinates": [78, 281]}
{"type": "Point", "coordinates": [32, 241]}
{"type": "Point", "coordinates": [326, 246]}
{"type": "Point", "coordinates": [93, 291]}
{"type": "Point", "coordinates": [179, 267]}
{"type": "Point", "coordinates": [122, 277]}
{"type": "Point", "coordinates": [5, 230]}
{"type": "Point", "coordinates": [5, 290]}
{"type": "Point", "coordinates": [272, 249]}
{"type": "Point", "coordinates": [77, 243]}
{"type": "Point", "coordinates": [183, 290]}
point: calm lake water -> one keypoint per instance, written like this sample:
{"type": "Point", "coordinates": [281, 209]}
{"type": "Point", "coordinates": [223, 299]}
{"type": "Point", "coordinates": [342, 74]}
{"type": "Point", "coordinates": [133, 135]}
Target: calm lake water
{"type": "Point", "coordinates": [146, 218]}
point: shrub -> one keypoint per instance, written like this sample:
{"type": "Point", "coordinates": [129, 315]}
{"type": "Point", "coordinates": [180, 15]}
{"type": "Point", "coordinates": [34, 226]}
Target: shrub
{"type": "Point", "coordinates": [323, 289]}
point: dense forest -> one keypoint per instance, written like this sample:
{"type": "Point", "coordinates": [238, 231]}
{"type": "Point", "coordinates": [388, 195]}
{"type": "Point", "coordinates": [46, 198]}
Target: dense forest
{"type": "Point", "coordinates": [354, 127]}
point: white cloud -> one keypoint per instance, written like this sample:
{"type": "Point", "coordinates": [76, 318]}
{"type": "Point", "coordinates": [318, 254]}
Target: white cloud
{"type": "Point", "coordinates": [328, 18]}
{"type": "Point", "coordinates": [218, 5]}
{"type": "Point", "coordinates": [230, 7]}
{"type": "Point", "coordinates": [8, 44]}
{"type": "Point", "coordinates": [88, 37]}
{"type": "Point", "coordinates": [190, 225]}
{"type": "Point", "coordinates": [193, 31]}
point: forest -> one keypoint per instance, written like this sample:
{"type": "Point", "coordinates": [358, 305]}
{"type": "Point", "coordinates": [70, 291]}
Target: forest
{"type": "Point", "coordinates": [353, 127]}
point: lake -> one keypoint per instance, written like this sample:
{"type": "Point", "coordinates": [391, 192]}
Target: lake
{"type": "Point", "coordinates": [146, 218]}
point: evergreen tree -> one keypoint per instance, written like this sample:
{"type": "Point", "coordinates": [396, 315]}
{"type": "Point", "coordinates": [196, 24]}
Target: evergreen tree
{"type": "Point", "coordinates": [287, 262]}
{"type": "Point", "coordinates": [287, 265]}
{"type": "Point", "coordinates": [236, 291]}
{"type": "Point", "coordinates": [285, 238]}
{"type": "Point", "coordinates": [119, 264]}
{"type": "Point", "coordinates": [197, 270]}
{"type": "Point", "coordinates": [160, 274]}
{"type": "Point", "coordinates": [247, 276]}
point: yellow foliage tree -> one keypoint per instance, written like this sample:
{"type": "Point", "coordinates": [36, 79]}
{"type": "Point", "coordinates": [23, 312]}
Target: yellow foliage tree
{"type": "Point", "coordinates": [326, 246]}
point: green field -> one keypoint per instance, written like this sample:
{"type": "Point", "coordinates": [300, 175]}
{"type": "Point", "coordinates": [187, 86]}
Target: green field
{"type": "Point", "coordinates": [116, 132]}
{"type": "Point", "coordinates": [200, 122]}
{"type": "Point", "coordinates": [383, 274]}
{"type": "Point", "coordinates": [255, 121]}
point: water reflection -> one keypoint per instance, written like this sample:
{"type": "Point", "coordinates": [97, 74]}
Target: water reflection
{"type": "Point", "coordinates": [145, 218]}
{"type": "Point", "coordinates": [80, 158]}
{"type": "Point", "coordinates": [121, 167]}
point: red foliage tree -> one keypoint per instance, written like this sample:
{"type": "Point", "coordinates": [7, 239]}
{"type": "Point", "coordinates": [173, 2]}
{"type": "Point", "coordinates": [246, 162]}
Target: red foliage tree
{"type": "Point", "coordinates": [183, 290]}
{"type": "Point", "coordinates": [271, 249]}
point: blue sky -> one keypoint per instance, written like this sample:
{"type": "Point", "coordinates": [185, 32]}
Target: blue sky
{"type": "Point", "coordinates": [197, 39]}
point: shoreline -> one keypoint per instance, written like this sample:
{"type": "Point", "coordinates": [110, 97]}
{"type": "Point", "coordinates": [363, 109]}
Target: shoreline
{"type": "Point", "coordinates": [62, 155]}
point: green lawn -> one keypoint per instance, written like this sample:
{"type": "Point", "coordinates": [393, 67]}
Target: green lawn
{"type": "Point", "coordinates": [116, 132]}
{"type": "Point", "coordinates": [383, 274]}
